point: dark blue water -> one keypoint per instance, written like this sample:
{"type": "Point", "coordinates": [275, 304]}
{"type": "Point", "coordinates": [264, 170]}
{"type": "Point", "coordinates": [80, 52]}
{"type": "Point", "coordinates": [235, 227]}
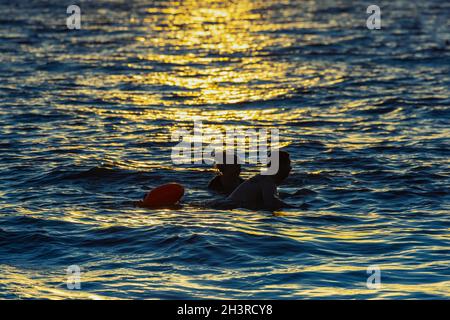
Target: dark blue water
{"type": "Point", "coordinates": [86, 118]}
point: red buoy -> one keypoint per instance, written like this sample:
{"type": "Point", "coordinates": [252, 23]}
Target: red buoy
{"type": "Point", "coordinates": [166, 195]}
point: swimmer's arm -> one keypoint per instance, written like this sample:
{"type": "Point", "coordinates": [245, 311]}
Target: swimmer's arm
{"type": "Point", "coordinates": [277, 203]}
{"type": "Point", "coordinates": [270, 198]}
{"type": "Point", "coordinates": [214, 184]}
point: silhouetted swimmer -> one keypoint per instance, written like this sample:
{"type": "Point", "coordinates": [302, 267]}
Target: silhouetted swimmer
{"type": "Point", "coordinates": [260, 192]}
{"type": "Point", "coordinates": [228, 178]}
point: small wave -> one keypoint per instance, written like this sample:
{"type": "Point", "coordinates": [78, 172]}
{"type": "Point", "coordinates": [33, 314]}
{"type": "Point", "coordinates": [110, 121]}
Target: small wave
{"type": "Point", "coordinates": [316, 123]}
{"type": "Point", "coordinates": [376, 111]}
{"type": "Point", "coordinates": [97, 174]}
{"type": "Point", "coordinates": [24, 239]}
{"type": "Point", "coordinates": [26, 221]}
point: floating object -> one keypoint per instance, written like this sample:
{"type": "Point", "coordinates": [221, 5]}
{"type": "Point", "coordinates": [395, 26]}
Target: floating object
{"type": "Point", "coordinates": [166, 195]}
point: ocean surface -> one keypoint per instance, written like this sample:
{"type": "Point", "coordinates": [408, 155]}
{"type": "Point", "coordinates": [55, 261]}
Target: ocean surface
{"type": "Point", "coordinates": [86, 118]}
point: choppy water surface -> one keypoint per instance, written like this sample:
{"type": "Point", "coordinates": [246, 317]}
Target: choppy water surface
{"type": "Point", "coordinates": [86, 119]}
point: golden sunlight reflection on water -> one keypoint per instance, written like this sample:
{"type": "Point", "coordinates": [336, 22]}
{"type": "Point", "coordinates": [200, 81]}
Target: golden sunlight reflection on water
{"type": "Point", "coordinates": [238, 71]}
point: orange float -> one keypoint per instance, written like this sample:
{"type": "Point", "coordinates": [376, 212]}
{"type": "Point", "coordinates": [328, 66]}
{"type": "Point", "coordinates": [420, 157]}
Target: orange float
{"type": "Point", "coordinates": [166, 195]}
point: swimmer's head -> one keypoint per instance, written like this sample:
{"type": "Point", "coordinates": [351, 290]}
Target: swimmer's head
{"type": "Point", "coordinates": [228, 166]}
{"type": "Point", "coordinates": [279, 166]}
